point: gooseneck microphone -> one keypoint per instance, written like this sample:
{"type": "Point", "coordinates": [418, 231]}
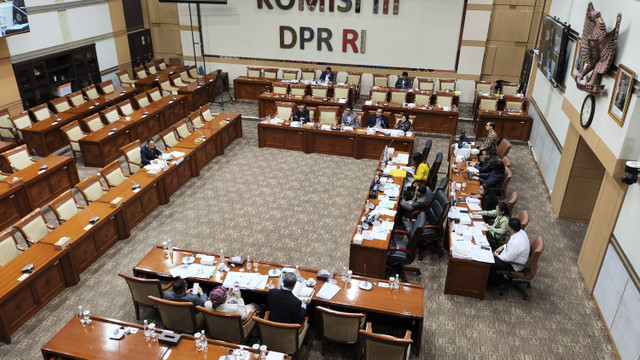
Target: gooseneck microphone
{"type": "Point", "coordinates": [29, 268]}
{"type": "Point", "coordinates": [94, 219]}
{"type": "Point", "coordinates": [44, 166]}
{"type": "Point", "coordinates": [135, 185]}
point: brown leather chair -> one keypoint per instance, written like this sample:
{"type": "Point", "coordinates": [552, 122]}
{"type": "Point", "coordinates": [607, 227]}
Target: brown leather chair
{"type": "Point", "coordinates": [93, 122]}
{"type": "Point", "coordinates": [169, 138]}
{"type": "Point", "coordinates": [154, 94]}
{"type": "Point", "coordinates": [255, 72]}
{"type": "Point", "coordinates": [298, 89]}
{"type": "Point", "coordinates": [91, 92]}
{"type": "Point", "coordinates": [125, 107]}
{"type": "Point", "coordinates": [381, 80]}
{"type": "Point", "coordinates": [307, 74]}
{"type": "Point", "coordinates": [524, 219]}
{"type": "Point", "coordinates": [76, 99]}
{"type": "Point", "coordinates": [290, 74]}
{"type": "Point", "coordinates": [141, 100]}
{"type": "Point", "coordinates": [340, 327]}
{"type": "Point", "coordinates": [447, 84]}
{"type": "Point", "coordinates": [403, 252]}
{"type": "Point", "coordinates": [228, 326]}
{"type": "Point", "coordinates": [502, 192]}
{"type": "Point", "coordinates": [506, 161]}
{"type": "Point", "coordinates": [110, 114]}
{"type": "Point", "coordinates": [34, 227]}
{"type": "Point", "coordinates": [125, 80]}
{"type": "Point", "coordinates": [61, 104]}
{"type": "Point", "coordinates": [40, 112]}
{"type": "Point", "coordinates": [426, 84]}
{"type": "Point", "coordinates": [20, 121]}
{"type": "Point", "coordinates": [511, 201]}
{"type": "Point", "coordinates": [398, 96]}
{"type": "Point", "coordinates": [519, 279]}
{"type": "Point", "coordinates": [206, 113]}
{"type": "Point", "coordinates": [182, 129]}
{"type": "Point", "coordinates": [503, 147]}
{"type": "Point", "coordinates": [65, 206]}
{"type": "Point", "coordinates": [107, 87]}
{"type": "Point", "coordinates": [270, 73]}
{"type": "Point", "coordinates": [178, 315]}
{"type": "Point", "coordinates": [379, 95]}
{"type": "Point", "coordinates": [140, 72]}
{"type": "Point", "coordinates": [280, 88]}
{"type": "Point", "coordinates": [151, 67]}
{"type": "Point", "coordinates": [282, 337]}
{"type": "Point", "coordinates": [379, 346]}
{"type": "Point", "coordinates": [285, 110]}
{"type": "Point", "coordinates": [7, 129]}
{"type": "Point", "coordinates": [196, 120]}
{"type": "Point", "coordinates": [141, 288]}
{"type": "Point", "coordinates": [18, 158]}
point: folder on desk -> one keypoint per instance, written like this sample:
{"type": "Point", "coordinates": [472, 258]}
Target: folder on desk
{"type": "Point", "coordinates": [398, 173]}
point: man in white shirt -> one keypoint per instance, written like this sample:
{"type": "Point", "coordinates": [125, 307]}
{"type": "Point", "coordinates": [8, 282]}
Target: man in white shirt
{"type": "Point", "coordinates": [512, 255]}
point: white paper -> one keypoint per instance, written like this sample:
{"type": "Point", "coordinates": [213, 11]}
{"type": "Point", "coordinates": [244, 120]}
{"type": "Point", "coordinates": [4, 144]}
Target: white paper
{"type": "Point", "coordinates": [177, 154]}
{"type": "Point", "coordinates": [402, 159]}
{"type": "Point", "coordinates": [246, 280]}
{"type": "Point", "coordinates": [274, 355]}
{"type": "Point", "coordinates": [357, 239]}
{"type": "Point", "coordinates": [473, 207]}
{"type": "Point", "coordinates": [328, 291]}
{"type": "Point", "coordinates": [479, 254]}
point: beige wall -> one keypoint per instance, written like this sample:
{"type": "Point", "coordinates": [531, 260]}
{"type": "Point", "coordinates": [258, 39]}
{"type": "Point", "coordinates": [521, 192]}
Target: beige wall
{"type": "Point", "coordinates": [10, 98]}
{"type": "Point", "coordinates": [165, 29]}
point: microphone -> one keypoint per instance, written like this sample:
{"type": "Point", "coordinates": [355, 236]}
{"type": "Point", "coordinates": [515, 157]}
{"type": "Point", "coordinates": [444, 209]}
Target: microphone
{"type": "Point", "coordinates": [29, 268]}
{"type": "Point", "coordinates": [135, 185]}
{"type": "Point", "coordinates": [94, 219]}
{"type": "Point", "coordinates": [44, 166]}
{"type": "Point", "coordinates": [199, 132]}
{"type": "Point", "coordinates": [145, 113]}
{"type": "Point", "coordinates": [365, 284]}
{"type": "Point", "coordinates": [86, 98]}
{"type": "Point", "coordinates": [57, 120]}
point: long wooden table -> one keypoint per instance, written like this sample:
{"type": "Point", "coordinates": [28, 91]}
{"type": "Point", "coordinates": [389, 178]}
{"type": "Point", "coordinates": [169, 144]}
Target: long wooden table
{"type": "Point", "coordinates": [428, 118]}
{"type": "Point", "coordinates": [515, 125]}
{"type": "Point", "coordinates": [45, 136]}
{"type": "Point", "coordinates": [335, 142]}
{"type": "Point", "coordinates": [40, 187]}
{"type": "Point", "coordinates": [151, 80]}
{"type": "Point", "coordinates": [267, 102]}
{"type": "Point", "coordinates": [13, 204]}
{"type": "Point", "coordinates": [91, 341]}
{"type": "Point", "coordinates": [403, 308]}
{"type": "Point", "coordinates": [249, 88]}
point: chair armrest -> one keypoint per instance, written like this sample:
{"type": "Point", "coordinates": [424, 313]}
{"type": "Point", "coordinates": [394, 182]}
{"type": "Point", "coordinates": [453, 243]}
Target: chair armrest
{"type": "Point", "coordinates": [50, 226]}
{"type": "Point", "coordinates": [136, 163]}
{"type": "Point", "coordinates": [167, 287]}
{"type": "Point", "coordinates": [80, 206]}
{"type": "Point", "coordinates": [415, 213]}
{"type": "Point", "coordinates": [63, 220]}
{"type": "Point", "coordinates": [302, 326]}
{"type": "Point", "coordinates": [105, 189]}
{"type": "Point", "coordinates": [407, 335]}
{"type": "Point", "coordinates": [20, 247]}
{"type": "Point", "coordinates": [250, 315]}
{"type": "Point", "coordinates": [405, 232]}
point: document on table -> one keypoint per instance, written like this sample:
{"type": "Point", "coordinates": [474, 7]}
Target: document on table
{"type": "Point", "coordinates": [274, 355]}
{"type": "Point", "coordinates": [193, 270]}
{"type": "Point", "coordinates": [402, 159]}
{"type": "Point", "coordinates": [245, 280]}
{"type": "Point", "coordinates": [328, 291]}
{"type": "Point", "coordinates": [387, 212]}
{"type": "Point", "coordinates": [473, 206]}
{"type": "Point", "coordinates": [483, 255]}
{"type": "Point", "coordinates": [386, 204]}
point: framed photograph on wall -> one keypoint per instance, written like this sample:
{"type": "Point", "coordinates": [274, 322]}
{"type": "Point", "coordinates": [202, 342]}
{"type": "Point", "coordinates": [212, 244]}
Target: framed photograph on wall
{"type": "Point", "coordinates": [578, 62]}
{"type": "Point", "coordinates": [621, 94]}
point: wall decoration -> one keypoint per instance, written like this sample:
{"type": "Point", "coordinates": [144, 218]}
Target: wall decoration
{"type": "Point", "coordinates": [598, 50]}
{"type": "Point", "coordinates": [622, 94]}
{"type": "Point", "coordinates": [363, 41]}
{"type": "Point", "coordinates": [385, 8]}
{"type": "Point", "coordinates": [358, 6]}
{"type": "Point", "coordinates": [578, 61]}
{"type": "Point", "coordinates": [396, 7]}
{"type": "Point", "coordinates": [376, 6]}
{"type": "Point", "coordinates": [345, 7]}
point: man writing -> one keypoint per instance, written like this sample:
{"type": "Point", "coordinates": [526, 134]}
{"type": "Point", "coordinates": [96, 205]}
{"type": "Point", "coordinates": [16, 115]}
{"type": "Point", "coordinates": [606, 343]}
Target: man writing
{"type": "Point", "coordinates": [284, 307]}
{"type": "Point", "coordinates": [301, 114]}
{"type": "Point", "coordinates": [149, 152]}
{"type": "Point", "coordinates": [327, 75]}
{"type": "Point", "coordinates": [403, 82]}
{"type": "Point", "coordinates": [180, 293]}
{"type": "Point", "coordinates": [378, 120]}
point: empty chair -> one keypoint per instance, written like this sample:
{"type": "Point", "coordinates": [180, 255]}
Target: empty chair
{"type": "Point", "coordinates": [328, 115]}
{"type": "Point", "coordinates": [196, 119]}
{"type": "Point", "coordinates": [151, 68]}
{"type": "Point", "coordinates": [433, 171]}
{"type": "Point", "coordinates": [270, 73]}
{"type": "Point", "coordinates": [398, 96]}
{"type": "Point", "coordinates": [65, 206]}
{"type": "Point", "coordinates": [125, 108]}
{"type": "Point", "coordinates": [289, 74]}
{"type": "Point", "coordinates": [154, 94]}
{"type": "Point", "coordinates": [18, 158]}
{"type": "Point", "coordinates": [107, 87]}
{"type": "Point", "coordinates": [509, 88]}
{"type": "Point", "coordinates": [9, 247]}
{"type": "Point", "coordinates": [511, 201]}
{"type": "Point", "coordinates": [282, 337]}
{"type": "Point", "coordinates": [177, 80]}
{"type": "Point", "coordinates": [166, 87]}
{"type": "Point", "coordinates": [182, 129]}
{"type": "Point", "coordinates": [61, 104]}
{"type": "Point", "coordinates": [487, 103]}
{"type": "Point", "coordinates": [403, 252]}
{"type": "Point", "coordinates": [379, 95]}
{"type": "Point", "coordinates": [381, 80]}
{"type": "Point", "coordinates": [447, 84]}
{"type": "Point", "coordinates": [501, 193]}
{"type": "Point", "coordinates": [160, 64]}
{"type": "Point", "coordinates": [7, 129]}
{"type": "Point", "coordinates": [91, 92]}
{"type": "Point", "coordinates": [228, 326]}
{"type": "Point", "coordinates": [113, 174]}
{"type": "Point", "coordinates": [40, 112]}
{"type": "Point", "coordinates": [519, 279]}
{"type": "Point", "coordinates": [34, 227]}
{"type": "Point", "coordinates": [91, 188]}
{"type": "Point", "coordinates": [353, 79]}
{"type": "Point", "coordinates": [513, 103]}
{"type": "Point", "coordinates": [76, 98]}
{"type": "Point", "coordinates": [125, 80]}
{"type": "Point", "coordinates": [141, 288]}
{"type": "Point", "coordinates": [193, 72]}
{"type": "Point", "coordinates": [524, 219]}
{"type": "Point", "coordinates": [426, 84]}
{"type": "Point", "coordinates": [387, 347]}
{"type": "Point", "coordinates": [503, 147]}
{"type": "Point", "coordinates": [280, 88]}
{"type": "Point", "coordinates": [74, 133]}
{"type": "Point", "coordinates": [285, 109]}
{"type": "Point", "coordinates": [178, 315]}
{"type": "Point", "coordinates": [254, 72]}
{"type": "Point", "coordinates": [307, 74]}
{"type": "Point", "coordinates": [484, 87]}
{"type": "Point", "coordinates": [140, 72]}
{"type": "Point", "coordinates": [444, 99]}
{"type": "Point", "coordinates": [298, 89]}
{"type": "Point", "coordinates": [131, 153]}
{"type": "Point", "coordinates": [340, 327]}
{"type": "Point", "coordinates": [444, 184]}
{"type": "Point", "coordinates": [205, 111]}
{"type": "Point", "coordinates": [423, 97]}
{"type": "Point", "coordinates": [341, 91]}
{"type": "Point", "coordinates": [426, 150]}
{"type": "Point", "coordinates": [319, 91]}
{"type": "Point", "coordinates": [20, 121]}
{"type": "Point", "coordinates": [506, 161]}
{"type": "Point", "coordinates": [313, 111]}
{"type": "Point", "coordinates": [142, 100]}
{"type": "Point", "coordinates": [110, 115]}
{"type": "Point", "coordinates": [435, 225]}
{"type": "Point", "coordinates": [93, 122]}
{"type": "Point", "coordinates": [184, 76]}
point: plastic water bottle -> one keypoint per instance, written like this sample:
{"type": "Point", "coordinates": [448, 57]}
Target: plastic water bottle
{"type": "Point", "coordinates": [396, 285]}
{"type": "Point", "coordinates": [169, 247]}
{"type": "Point", "coordinates": [248, 263]}
{"type": "Point", "coordinates": [300, 279]}
{"type": "Point", "coordinates": [343, 276]}
{"type": "Point", "coordinates": [197, 337]}
{"type": "Point", "coordinates": [221, 259]}
{"type": "Point", "coordinates": [79, 312]}
{"type": "Point", "coordinates": [147, 333]}
{"type": "Point", "coordinates": [203, 341]}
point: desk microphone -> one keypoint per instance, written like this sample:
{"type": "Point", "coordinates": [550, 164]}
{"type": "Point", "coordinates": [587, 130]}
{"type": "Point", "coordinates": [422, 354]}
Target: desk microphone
{"type": "Point", "coordinates": [145, 113]}
{"type": "Point", "coordinates": [57, 120]}
{"type": "Point", "coordinates": [94, 219]}
{"type": "Point", "coordinates": [44, 166]}
{"type": "Point", "coordinates": [135, 186]}
{"type": "Point", "coordinates": [29, 268]}
{"type": "Point", "coordinates": [86, 98]}
{"type": "Point", "coordinates": [365, 284]}
{"type": "Point", "coordinates": [199, 132]}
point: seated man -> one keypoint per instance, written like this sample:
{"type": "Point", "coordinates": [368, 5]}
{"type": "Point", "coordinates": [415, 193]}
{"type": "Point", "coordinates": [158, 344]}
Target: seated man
{"type": "Point", "coordinates": [327, 75]}
{"type": "Point", "coordinates": [403, 82]}
{"type": "Point", "coordinates": [283, 305]}
{"type": "Point", "coordinates": [421, 201]}
{"type": "Point", "coordinates": [515, 252]}
{"type": "Point", "coordinates": [223, 300]}
{"type": "Point", "coordinates": [149, 152]}
{"type": "Point", "coordinates": [301, 114]}
{"type": "Point", "coordinates": [181, 293]}
{"type": "Point", "coordinates": [378, 120]}
{"type": "Point", "coordinates": [491, 142]}
{"type": "Point", "coordinates": [493, 179]}
{"type": "Point", "coordinates": [485, 162]}
{"type": "Point", "coordinates": [349, 118]}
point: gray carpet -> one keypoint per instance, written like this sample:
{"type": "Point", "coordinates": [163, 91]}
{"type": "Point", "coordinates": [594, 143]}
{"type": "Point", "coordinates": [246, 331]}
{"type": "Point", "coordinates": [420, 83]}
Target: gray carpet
{"type": "Point", "coordinates": [298, 208]}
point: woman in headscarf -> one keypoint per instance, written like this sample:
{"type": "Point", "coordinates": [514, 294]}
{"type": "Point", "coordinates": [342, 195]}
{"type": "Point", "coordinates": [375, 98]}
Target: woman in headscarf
{"type": "Point", "coordinates": [223, 300]}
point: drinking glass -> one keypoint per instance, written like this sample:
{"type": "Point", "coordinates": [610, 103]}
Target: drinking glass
{"type": "Point", "coordinates": [152, 331]}
{"type": "Point", "coordinates": [263, 351]}
{"type": "Point", "coordinates": [248, 263]}
{"type": "Point", "coordinates": [255, 265]}
{"type": "Point", "coordinates": [256, 351]}
{"type": "Point", "coordinates": [85, 317]}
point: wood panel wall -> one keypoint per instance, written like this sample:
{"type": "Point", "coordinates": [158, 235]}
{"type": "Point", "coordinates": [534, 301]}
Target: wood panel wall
{"type": "Point", "coordinates": [10, 97]}
{"type": "Point", "coordinates": [165, 29]}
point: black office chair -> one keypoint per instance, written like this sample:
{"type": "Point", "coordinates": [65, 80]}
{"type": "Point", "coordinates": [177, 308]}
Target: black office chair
{"type": "Point", "coordinates": [432, 179]}
{"type": "Point", "coordinates": [402, 253]}
{"type": "Point", "coordinates": [444, 182]}
{"type": "Point", "coordinates": [427, 149]}
{"type": "Point", "coordinates": [435, 226]}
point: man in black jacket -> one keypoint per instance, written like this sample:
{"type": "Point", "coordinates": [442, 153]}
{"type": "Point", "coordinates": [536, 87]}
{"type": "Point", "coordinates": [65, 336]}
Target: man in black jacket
{"type": "Point", "coordinates": [285, 307]}
{"type": "Point", "coordinates": [403, 82]}
{"type": "Point", "coordinates": [301, 114]}
{"type": "Point", "coordinates": [421, 201]}
{"type": "Point", "coordinates": [149, 152]}
{"type": "Point", "coordinates": [378, 120]}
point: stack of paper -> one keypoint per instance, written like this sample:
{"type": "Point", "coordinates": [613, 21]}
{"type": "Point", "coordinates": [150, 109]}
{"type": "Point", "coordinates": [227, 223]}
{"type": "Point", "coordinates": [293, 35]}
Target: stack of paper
{"type": "Point", "coordinates": [328, 291]}
{"type": "Point", "coordinates": [177, 154]}
{"type": "Point", "coordinates": [245, 280]}
{"type": "Point", "coordinates": [402, 159]}
{"type": "Point", "coordinates": [193, 270]}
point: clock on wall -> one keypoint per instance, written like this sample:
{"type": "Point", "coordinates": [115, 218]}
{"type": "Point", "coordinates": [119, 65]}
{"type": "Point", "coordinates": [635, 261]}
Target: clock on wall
{"type": "Point", "coordinates": [587, 111]}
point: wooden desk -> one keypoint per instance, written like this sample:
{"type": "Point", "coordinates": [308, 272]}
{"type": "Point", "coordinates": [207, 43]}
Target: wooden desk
{"type": "Point", "coordinates": [333, 142]}
{"type": "Point", "coordinates": [267, 102]}
{"type": "Point", "coordinates": [465, 277]}
{"type": "Point", "coordinates": [151, 80]}
{"type": "Point", "coordinates": [379, 302]}
{"type": "Point", "coordinates": [229, 128]}
{"type": "Point", "coordinates": [87, 245]}
{"type": "Point", "coordinates": [172, 110]}
{"type": "Point", "coordinates": [198, 93]}
{"type": "Point", "coordinates": [179, 172]}
{"type": "Point", "coordinates": [144, 126]}
{"type": "Point", "coordinates": [20, 300]}
{"type": "Point", "coordinates": [91, 341]}
{"type": "Point", "coordinates": [435, 120]}
{"type": "Point", "coordinates": [102, 147]}
{"type": "Point", "coordinates": [249, 88]}
{"type": "Point", "coordinates": [203, 153]}
{"type": "Point", "coordinates": [42, 187]}
{"type": "Point", "coordinates": [13, 204]}
{"type": "Point", "coordinates": [136, 205]}
{"type": "Point", "coordinates": [517, 126]}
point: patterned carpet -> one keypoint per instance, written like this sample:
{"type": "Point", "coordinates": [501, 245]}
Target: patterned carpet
{"type": "Point", "coordinates": [298, 208]}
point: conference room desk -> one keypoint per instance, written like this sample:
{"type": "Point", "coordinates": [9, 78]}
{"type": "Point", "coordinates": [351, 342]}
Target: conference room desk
{"type": "Point", "coordinates": [515, 125]}
{"type": "Point", "coordinates": [102, 147]}
{"type": "Point", "coordinates": [179, 172]}
{"type": "Point", "coordinates": [136, 204]}
{"type": "Point", "coordinates": [13, 204]}
{"type": "Point", "coordinates": [333, 142]}
{"type": "Point", "coordinates": [435, 120]}
{"type": "Point", "coordinates": [7, 145]}
{"type": "Point", "coordinates": [465, 277]}
{"type": "Point", "coordinates": [91, 341]}
{"type": "Point", "coordinates": [267, 102]}
{"type": "Point", "coordinates": [21, 298]}
{"type": "Point", "coordinates": [370, 257]}
{"type": "Point", "coordinates": [249, 88]}
{"type": "Point", "coordinates": [198, 93]}
{"type": "Point", "coordinates": [43, 186]}
{"type": "Point", "coordinates": [151, 80]}
{"type": "Point", "coordinates": [203, 152]}
{"type": "Point", "coordinates": [144, 126]}
{"type": "Point", "coordinates": [411, 96]}
{"type": "Point", "coordinates": [403, 308]}
{"type": "Point", "coordinates": [87, 241]}
{"type": "Point", "coordinates": [173, 108]}
{"type": "Point", "coordinates": [229, 127]}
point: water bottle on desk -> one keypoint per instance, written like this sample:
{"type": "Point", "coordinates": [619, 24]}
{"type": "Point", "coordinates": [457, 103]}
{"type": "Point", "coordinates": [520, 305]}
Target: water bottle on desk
{"type": "Point", "coordinates": [147, 333]}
